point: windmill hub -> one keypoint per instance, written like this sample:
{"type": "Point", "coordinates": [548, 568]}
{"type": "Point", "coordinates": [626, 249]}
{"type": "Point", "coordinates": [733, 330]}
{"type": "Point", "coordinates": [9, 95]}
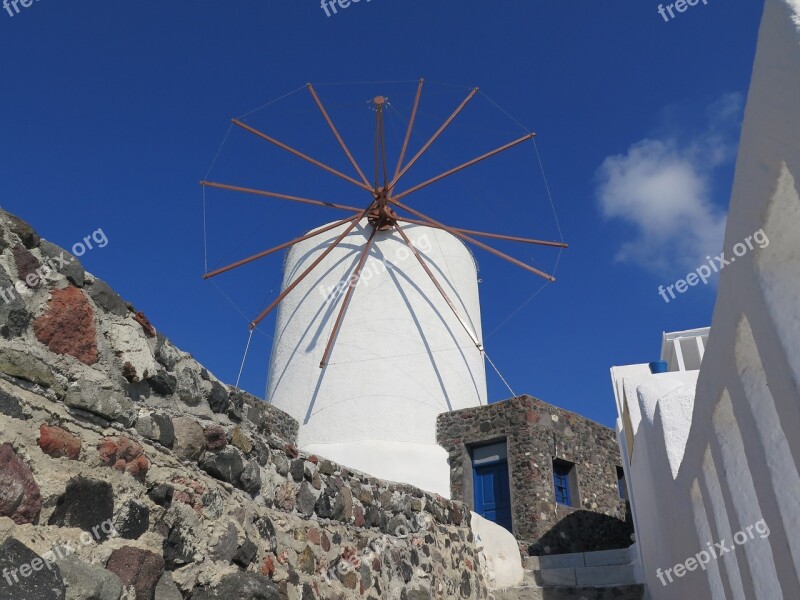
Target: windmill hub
{"type": "Point", "coordinates": [381, 216]}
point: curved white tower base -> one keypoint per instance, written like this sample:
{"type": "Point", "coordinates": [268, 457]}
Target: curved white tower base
{"type": "Point", "coordinates": [401, 358]}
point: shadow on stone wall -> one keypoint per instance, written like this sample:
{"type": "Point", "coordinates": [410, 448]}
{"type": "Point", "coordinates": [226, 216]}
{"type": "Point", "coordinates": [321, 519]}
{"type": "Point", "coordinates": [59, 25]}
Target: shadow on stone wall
{"type": "Point", "coordinates": [584, 531]}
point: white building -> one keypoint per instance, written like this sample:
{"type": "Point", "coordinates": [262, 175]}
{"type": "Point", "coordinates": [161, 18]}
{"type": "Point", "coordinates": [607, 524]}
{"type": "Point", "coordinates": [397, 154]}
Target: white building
{"type": "Point", "coordinates": [401, 358]}
{"type": "Point", "coordinates": [711, 455]}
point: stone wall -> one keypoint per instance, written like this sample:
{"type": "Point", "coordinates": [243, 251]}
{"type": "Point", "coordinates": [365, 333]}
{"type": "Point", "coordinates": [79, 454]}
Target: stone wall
{"type": "Point", "coordinates": [536, 433]}
{"type": "Point", "coordinates": [127, 470]}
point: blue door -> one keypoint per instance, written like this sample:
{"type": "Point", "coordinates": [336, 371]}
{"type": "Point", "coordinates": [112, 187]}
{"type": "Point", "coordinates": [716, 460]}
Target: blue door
{"type": "Point", "coordinates": [492, 493]}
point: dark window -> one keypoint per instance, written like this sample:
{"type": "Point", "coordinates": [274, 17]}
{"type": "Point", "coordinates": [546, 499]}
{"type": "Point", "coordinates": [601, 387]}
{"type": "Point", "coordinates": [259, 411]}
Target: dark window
{"type": "Point", "coordinates": [622, 486]}
{"type": "Point", "coordinates": [564, 482]}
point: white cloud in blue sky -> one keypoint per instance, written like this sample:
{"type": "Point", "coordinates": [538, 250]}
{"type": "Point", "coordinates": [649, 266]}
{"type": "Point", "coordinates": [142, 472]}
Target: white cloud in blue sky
{"type": "Point", "coordinates": [662, 187]}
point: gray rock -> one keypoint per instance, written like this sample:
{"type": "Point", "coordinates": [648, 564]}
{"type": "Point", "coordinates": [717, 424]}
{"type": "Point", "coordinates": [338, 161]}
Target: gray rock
{"type": "Point", "coordinates": [226, 465]}
{"type": "Point", "coordinates": [189, 387]}
{"type": "Point", "coordinates": [133, 521]}
{"type": "Point", "coordinates": [189, 439]}
{"type": "Point", "coordinates": [225, 547]}
{"type": "Point", "coordinates": [242, 586]}
{"type": "Point", "coordinates": [107, 299]}
{"type": "Point", "coordinates": [166, 353]}
{"type": "Point", "coordinates": [14, 314]}
{"type": "Point", "coordinates": [306, 499]}
{"type": "Point", "coordinates": [27, 367]}
{"type": "Point", "coordinates": [64, 262]}
{"type": "Point", "coordinates": [45, 583]}
{"type": "Point", "coordinates": [163, 384]}
{"type": "Point", "coordinates": [245, 554]}
{"type": "Point", "coordinates": [158, 428]}
{"type": "Point", "coordinates": [88, 582]}
{"type": "Point", "coordinates": [250, 480]}
{"type": "Point", "coordinates": [102, 401]}
{"type": "Point", "coordinates": [167, 590]}
{"type": "Point", "coordinates": [11, 407]}
{"type": "Point", "coordinates": [23, 231]}
{"type": "Point", "coordinates": [218, 398]}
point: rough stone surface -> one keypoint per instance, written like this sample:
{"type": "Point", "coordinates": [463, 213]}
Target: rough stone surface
{"type": "Point", "coordinates": [26, 367]}
{"type": "Point", "coordinates": [57, 442]}
{"type": "Point", "coordinates": [189, 439]}
{"type": "Point", "coordinates": [22, 230]}
{"type": "Point", "coordinates": [41, 584]}
{"type": "Point", "coordinates": [85, 581]}
{"type": "Point", "coordinates": [269, 507]}
{"type": "Point", "coordinates": [27, 265]}
{"type": "Point", "coordinates": [65, 263]}
{"type": "Point", "coordinates": [167, 590]}
{"type": "Point", "coordinates": [123, 454]}
{"type": "Point", "coordinates": [242, 586]}
{"type": "Point", "coordinates": [106, 298]}
{"type": "Point", "coordinates": [67, 325]}
{"type": "Point", "coordinates": [102, 401]}
{"type": "Point", "coordinates": [20, 498]}
{"type": "Point", "coordinates": [535, 434]}
{"type": "Point", "coordinates": [85, 504]}
{"type": "Point", "coordinates": [138, 568]}
{"type": "Point", "coordinates": [215, 437]}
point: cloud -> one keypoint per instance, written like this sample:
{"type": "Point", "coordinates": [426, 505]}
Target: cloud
{"type": "Point", "coordinates": [662, 187]}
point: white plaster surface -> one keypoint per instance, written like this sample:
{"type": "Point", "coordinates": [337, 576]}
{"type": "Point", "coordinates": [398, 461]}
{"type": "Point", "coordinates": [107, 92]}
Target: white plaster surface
{"type": "Point", "coordinates": [500, 552]}
{"type": "Point", "coordinates": [738, 443]}
{"type": "Point", "coordinates": [401, 357]}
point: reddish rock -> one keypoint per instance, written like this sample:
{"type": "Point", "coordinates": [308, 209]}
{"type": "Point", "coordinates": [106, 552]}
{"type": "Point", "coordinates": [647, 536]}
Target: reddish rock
{"type": "Point", "coordinates": [313, 459]}
{"type": "Point", "coordinates": [533, 417]}
{"type": "Point", "coordinates": [67, 325]}
{"type": "Point", "coordinates": [138, 568]}
{"type": "Point", "coordinates": [26, 264]}
{"type": "Point", "coordinates": [19, 493]}
{"type": "Point", "coordinates": [149, 330]}
{"type": "Point", "coordinates": [358, 515]}
{"type": "Point", "coordinates": [313, 536]}
{"type": "Point", "coordinates": [326, 542]}
{"type": "Point", "coordinates": [291, 451]}
{"type": "Point", "coordinates": [57, 442]}
{"type": "Point", "coordinates": [124, 454]}
{"type": "Point", "coordinates": [215, 437]}
{"type": "Point", "coordinates": [268, 568]}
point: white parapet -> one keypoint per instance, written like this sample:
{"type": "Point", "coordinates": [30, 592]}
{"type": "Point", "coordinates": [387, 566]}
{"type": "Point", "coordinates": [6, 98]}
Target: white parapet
{"type": "Point", "coordinates": [401, 357]}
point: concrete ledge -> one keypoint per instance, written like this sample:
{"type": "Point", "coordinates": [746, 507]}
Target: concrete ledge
{"type": "Point", "coordinates": [607, 575]}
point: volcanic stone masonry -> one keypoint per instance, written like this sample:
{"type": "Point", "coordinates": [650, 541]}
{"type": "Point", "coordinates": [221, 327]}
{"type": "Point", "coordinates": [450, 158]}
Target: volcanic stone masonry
{"type": "Point", "coordinates": [104, 422]}
{"type": "Point", "coordinates": [536, 434]}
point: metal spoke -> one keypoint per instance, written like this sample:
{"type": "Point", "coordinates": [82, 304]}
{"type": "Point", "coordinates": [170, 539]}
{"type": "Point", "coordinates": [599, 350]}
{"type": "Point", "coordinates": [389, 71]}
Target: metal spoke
{"type": "Point", "coordinates": [352, 282]}
{"type": "Point", "coordinates": [467, 164]}
{"type": "Point", "coordinates": [236, 188]}
{"type": "Point", "coordinates": [299, 154]}
{"type": "Point", "coordinates": [433, 139]}
{"type": "Point", "coordinates": [439, 287]}
{"type": "Point", "coordinates": [497, 236]}
{"type": "Point", "coordinates": [452, 231]}
{"type": "Point", "coordinates": [336, 133]}
{"type": "Point", "coordinates": [320, 258]}
{"type": "Point", "coordinates": [410, 128]}
{"type": "Point", "coordinates": [255, 257]}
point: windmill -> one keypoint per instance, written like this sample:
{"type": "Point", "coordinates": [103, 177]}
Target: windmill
{"type": "Point", "coordinates": [380, 209]}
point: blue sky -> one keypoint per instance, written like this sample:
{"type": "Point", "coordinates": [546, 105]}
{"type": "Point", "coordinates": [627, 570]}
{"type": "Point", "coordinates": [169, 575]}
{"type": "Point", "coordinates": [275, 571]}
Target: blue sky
{"type": "Point", "coordinates": [111, 113]}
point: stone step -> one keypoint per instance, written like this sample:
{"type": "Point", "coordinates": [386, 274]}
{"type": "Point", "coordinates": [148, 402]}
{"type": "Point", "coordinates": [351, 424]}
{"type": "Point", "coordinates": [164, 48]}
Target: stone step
{"type": "Point", "coordinates": [624, 592]}
{"type": "Point", "coordinates": [586, 576]}
{"type": "Point", "coordinates": [579, 559]}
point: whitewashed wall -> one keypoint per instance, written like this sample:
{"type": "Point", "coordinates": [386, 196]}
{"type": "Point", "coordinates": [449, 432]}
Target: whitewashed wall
{"type": "Point", "coordinates": [400, 359]}
{"type": "Point", "coordinates": [710, 463]}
